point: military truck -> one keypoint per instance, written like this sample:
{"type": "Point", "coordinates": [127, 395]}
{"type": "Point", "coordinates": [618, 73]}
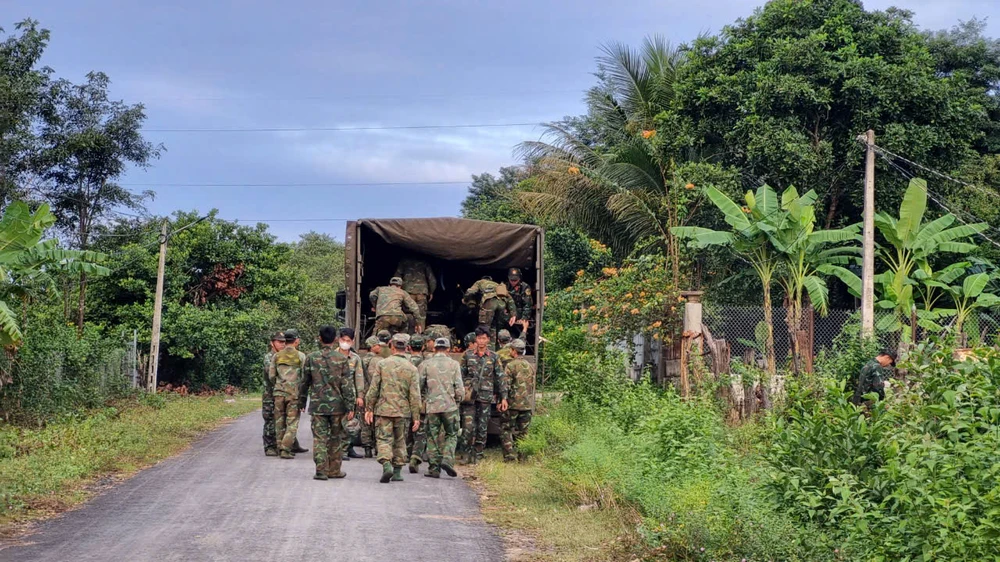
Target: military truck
{"type": "Point", "coordinates": [460, 252]}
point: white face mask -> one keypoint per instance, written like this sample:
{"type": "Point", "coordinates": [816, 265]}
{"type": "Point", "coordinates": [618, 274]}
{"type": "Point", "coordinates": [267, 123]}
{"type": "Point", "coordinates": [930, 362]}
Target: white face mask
{"type": "Point", "coordinates": [345, 345]}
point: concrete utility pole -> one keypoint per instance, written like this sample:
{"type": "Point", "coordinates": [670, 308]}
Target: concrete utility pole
{"type": "Point", "coordinates": [154, 342]}
{"type": "Point", "coordinates": [868, 255]}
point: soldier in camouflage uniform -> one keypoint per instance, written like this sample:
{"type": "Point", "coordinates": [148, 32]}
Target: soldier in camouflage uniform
{"type": "Point", "coordinates": [442, 388]}
{"type": "Point", "coordinates": [368, 363]}
{"type": "Point", "coordinates": [392, 401]}
{"type": "Point", "coordinates": [484, 385]}
{"type": "Point", "coordinates": [419, 282]}
{"type": "Point", "coordinates": [524, 303]}
{"type": "Point", "coordinates": [492, 301]}
{"type": "Point", "coordinates": [267, 399]}
{"type": "Point", "coordinates": [345, 339]}
{"type": "Point", "coordinates": [285, 374]}
{"type": "Point", "coordinates": [437, 331]}
{"type": "Point", "coordinates": [504, 353]}
{"type": "Point", "coordinates": [416, 349]}
{"type": "Point", "coordinates": [383, 338]}
{"type": "Point", "coordinates": [520, 377]}
{"type": "Point", "coordinates": [416, 442]}
{"type": "Point", "coordinates": [330, 380]}
{"type": "Point", "coordinates": [389, 303]}
{"type": "Point", "coordinates": [873, 376]}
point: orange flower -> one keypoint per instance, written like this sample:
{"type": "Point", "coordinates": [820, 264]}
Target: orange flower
{"type": "Point", "coordinates": [689, 186]}
{"type": "Point", "coordinates": [680, 299]}
{"type": "Point", "coordinates": [628, 295]}
{"type": "Point", "coordinates": [593, 327]}
{"type": "Point", "coordinates": [642, 294]}
{"type": "Point", "coordinates": [635, 311]}
{"type": "Point", "coordinates": [655, 337]}
{"type": "Point", "coordinates": [609, 271]}
{"type": "Point", "coordinates": [648, 134]}
{"type": "Point", "coordinates": [657, 324]}
{"type": "Point", "coordinates": [576, 311]}
{"type": "Point", "coordinates": [573, 170]}
{"type": "Point", "coordinates": [579, 273]}
{"type": "Point", "coordinates": [592, 307]}
{"type": "Point", "coordinates": [746, 210]}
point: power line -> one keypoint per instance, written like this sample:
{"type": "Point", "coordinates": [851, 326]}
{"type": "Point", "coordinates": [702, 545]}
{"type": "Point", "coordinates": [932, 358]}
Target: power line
{"type": "Point", "coordinates": [937, 173]}
{"type": "Point", "coordinates": [337, 184]}
{"type": "Point", "coordinates": [338, 129]}
{"type": "Point", "coordinates": [442, 95]}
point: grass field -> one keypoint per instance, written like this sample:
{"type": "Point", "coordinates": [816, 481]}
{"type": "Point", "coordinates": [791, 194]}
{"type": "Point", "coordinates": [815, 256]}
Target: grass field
{"type": "Point", "coordinates": [46, 471]}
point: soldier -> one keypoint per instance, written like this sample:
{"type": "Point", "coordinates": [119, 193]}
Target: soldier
{"type": "Point", "coordinates": [383, 338]}
{"type": "Point", "coordinates": [346, 343]}
{"type": "Point", "coordinates": [436, 331]}
{"type": "Point", "coordinates": [267, 399]}
{"type": "Point", "coordinates": [296, 448]}
{"type": "Point", "coordinates": [469, 340]}
{"type": "Point", "coordinates": [393, 399]}
{"type": "Point", "coordinates": [416, 442]}
{"type": "Point", "coordinates": [285, 373]}
{"type": "Point", "coordinates": [873, 377]}
{"type": "Point", "coordinates": [389, 303]}
{"type": "Point", "coordinates": [330, 378]}
{"type": "Point", "coordinates": [484, 385]}
{"type": "Point", "coordinates": [368, 363]}
{"type": "Point", "coordinates": [520, 379]}
{"type": "Point", "coordinates": [486, 293]}
{"type": "Point", "coordinates": [419, 281]}
{"type": "Point", "coordinates": [416, 349]}
{"type": "Point", "coordinates": [442, 389]}
{"type": "Point", "coordinates": [504, 353]}
{"type": "Point", "coordinates": [523, 302]}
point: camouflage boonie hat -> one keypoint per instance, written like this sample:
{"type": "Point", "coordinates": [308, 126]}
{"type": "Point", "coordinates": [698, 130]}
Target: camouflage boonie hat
{"type": "Point", "coordinates": [396, 281]}
{"type": "Point", "coordinates": [469, 338]}
{"type": "Point", "coordinates": [278, 336]}
{"type": "Point", "coordinates": [503, 335]}
{"type": "Point", "coordinates": [372, 342]}
{"type": "Point", "coordinates": [400, 340]}
{"type": "Point", "coordinates": [442, 342]}
{"type": "Point", "coordinates": [383, 336]}
{"type": "Point", "coordinates": [518, 344]}
{"type": "Point", "coordinates": [291, 335]}
{"type": "Point", "coordinates": [513, 273]}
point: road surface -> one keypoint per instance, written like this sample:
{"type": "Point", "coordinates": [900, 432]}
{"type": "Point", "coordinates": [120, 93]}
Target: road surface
{"type": "Point", "coordinates": [223, 500]}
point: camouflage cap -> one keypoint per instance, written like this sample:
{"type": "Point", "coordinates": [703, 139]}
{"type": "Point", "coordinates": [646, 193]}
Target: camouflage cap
{"type": "Point", "coordinates": [442, 342]}
{"type": "Point", "coordinates": [278, 336]}
{"type": "Point", "coordinates": [469, 338]}
{"type": "Point", "coordinates": [400, 340]}
{"type": "Point", "coordinates": [513, 273]}
{"type": "Point", "coordinates": [416, 340]}
{"type": "Point", "coordinates": [372, 342]}
{"type": "Point", "coordinates": [291, 334]}
{"type": "Point", "coordinates": [383, 336]}
{"type": "Point", "coordinates": [396, 281]}
{"type": "Point", "coordinates": [503, 335]}
{"type": "Point", "coordinates": [518, 344]}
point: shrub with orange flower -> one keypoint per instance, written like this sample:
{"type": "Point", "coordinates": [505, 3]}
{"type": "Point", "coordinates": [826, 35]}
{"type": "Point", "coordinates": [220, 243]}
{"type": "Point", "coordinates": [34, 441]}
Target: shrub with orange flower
{"type": "Point", "coordinates": [649, 133]}
{"type": "Point", "coordinates": [573, 170]}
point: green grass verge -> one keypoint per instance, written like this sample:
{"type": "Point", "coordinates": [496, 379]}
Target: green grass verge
{"type": "Point", "coordinates": [45, 471]}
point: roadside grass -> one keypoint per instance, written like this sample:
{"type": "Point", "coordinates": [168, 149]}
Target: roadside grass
{"type": "Point", "coordinates": [49, 470]}
{"type": "Point", "coordinates": [542, 521]}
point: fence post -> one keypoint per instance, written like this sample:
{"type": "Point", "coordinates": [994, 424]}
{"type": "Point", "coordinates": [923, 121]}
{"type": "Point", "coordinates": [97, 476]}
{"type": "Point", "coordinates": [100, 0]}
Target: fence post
{"type": "Point", "coordinates": [691, 333]}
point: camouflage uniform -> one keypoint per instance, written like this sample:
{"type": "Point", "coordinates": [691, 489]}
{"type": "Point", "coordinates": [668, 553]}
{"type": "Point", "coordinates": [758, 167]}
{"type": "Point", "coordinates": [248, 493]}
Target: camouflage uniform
{"type": "Point", "coordinates": [504, 353]}
{"type": "Point", "coordinates": [394, 397]}
{"type": "Point", "coordinates": [435, 331]}
{"type": "Point", "coordinates": [330, 379]}
{"type": "Point", "coordinates": [368, 429]}
{"type": "Point", "coordinates": [267, 407]}
{"type": "Point", "coordinates": [871, 379]}
{"type": "Point", "coordinates": [491, 302]}
{"type": "Point", "coordinates": [484, 376]}
{"type": "Point", "coordinates": [416, 441]}
{"type": "Point", "coordinates": [524, 303]}
{"type": "Point", "coordinates": [285, 373]}
{"type": "Point", "coordinates": [390, 302]}
{"type": "Point", "coordinates": [356, 372]}
{"type": "Point", "coordinates": [442, 388]}
{"type": "Point", "coordinates": [520, 376]}
{"type": "Point", "coordinates": [418, 280]}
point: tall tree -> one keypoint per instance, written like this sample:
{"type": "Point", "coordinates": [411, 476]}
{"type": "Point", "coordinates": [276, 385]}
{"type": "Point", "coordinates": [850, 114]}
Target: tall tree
{"type": "Point", "coordinates": [492, 198]}
{"type": "Point", "coordinates": [89, 141]}
{"type": "Point", "coordinates": [23, 96]}
{"type": "Point", "coordinates": [783, 93]}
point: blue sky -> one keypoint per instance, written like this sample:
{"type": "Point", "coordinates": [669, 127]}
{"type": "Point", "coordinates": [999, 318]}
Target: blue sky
{"type": "Point", "coordinates": [240, 64]}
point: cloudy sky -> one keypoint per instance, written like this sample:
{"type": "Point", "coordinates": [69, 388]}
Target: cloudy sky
{"type": "Point", "coordinates": [336, 65]}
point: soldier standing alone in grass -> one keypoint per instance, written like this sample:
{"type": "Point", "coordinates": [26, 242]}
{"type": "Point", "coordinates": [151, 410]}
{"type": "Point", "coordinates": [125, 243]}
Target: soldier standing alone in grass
{"type": "Point", "coordinates": [392, 401]}
{"type": "Point", "coordinates": [520, 378]}
{"type": "Point", "coordinates": [330, 380]}
{"type": "Point", "coordinates": [267, 398]}
{"type": "Point", "coordinates": [442, 389]}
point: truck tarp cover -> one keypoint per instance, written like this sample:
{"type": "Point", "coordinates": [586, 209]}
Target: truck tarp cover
{"type": "Point", "coordinates": [487, 244]}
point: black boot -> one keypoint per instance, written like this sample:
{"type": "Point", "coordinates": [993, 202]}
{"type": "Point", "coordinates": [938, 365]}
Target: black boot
{"type": "Point", "coordinates": [351, 453]}
{"type": "Point", "coordinates": [368, 452]}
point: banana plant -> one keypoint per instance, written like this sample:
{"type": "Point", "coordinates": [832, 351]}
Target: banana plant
{"type": "Point", "coordinates": [969, 298]}
{"type": "Point", "coordinates": [748, 239]}
{"type": "Point", "coordinates": [808, 256]}
{"type": "Point", "coordinates": [910, 244]}
{"type": "Point", "coordinates": [27, 262]}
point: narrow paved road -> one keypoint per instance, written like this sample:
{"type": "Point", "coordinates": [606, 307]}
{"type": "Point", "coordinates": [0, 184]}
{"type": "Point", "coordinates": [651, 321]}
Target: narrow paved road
{"type": "Point", "coordinates": [223, 500]}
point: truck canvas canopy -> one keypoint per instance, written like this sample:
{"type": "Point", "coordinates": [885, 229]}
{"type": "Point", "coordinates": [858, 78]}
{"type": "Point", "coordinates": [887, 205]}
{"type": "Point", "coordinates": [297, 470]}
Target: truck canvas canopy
{"type": "Point", "coordinates": [482, 243]}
